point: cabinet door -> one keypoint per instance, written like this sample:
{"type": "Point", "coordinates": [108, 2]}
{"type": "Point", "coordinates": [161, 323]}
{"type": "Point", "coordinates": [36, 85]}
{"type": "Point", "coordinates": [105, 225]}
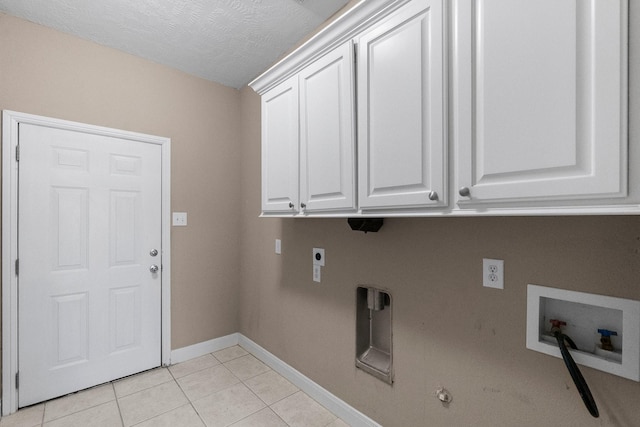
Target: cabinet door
{"type": "Point", "coordinates": [401, 132]}
{"type": "Point", "coordinates": [539, 99]}
{"type": "Point", "coordinates": [327, 159]}
{"type": "Point", "coordinates": [280, 147]}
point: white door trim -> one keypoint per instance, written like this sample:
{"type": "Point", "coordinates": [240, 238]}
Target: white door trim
{"type": "Point", "coordinates": [10, 122]}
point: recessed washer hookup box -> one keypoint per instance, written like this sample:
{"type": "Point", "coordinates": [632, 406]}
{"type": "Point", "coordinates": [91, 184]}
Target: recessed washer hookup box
{"type": "Point", "coordinates": [589, 320]}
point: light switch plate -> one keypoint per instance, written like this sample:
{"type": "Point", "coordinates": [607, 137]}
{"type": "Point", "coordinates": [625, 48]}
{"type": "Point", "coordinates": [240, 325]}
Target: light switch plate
{"type": "Point", "coordinates": [278, 246]}
{"type": "Point", "coordinates": [179, 219]}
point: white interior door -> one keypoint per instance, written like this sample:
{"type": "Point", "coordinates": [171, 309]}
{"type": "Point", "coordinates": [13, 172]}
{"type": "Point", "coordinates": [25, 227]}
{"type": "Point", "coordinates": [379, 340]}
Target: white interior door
{"type": "Point", "coordinates": [89, 308]}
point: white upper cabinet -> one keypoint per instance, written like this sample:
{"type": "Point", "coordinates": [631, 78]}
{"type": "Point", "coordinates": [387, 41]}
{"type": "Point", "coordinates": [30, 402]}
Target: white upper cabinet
{"type": "Point", "coordinates": [401, 110]}
{"type": "Point", "coordinates": [460, 107]}
{"type": "Point", "coordinates": [308, 144]}
{"type": "Point", "coordinates": [327, 142]}
{"type": "Point", "coordinates": [539, 101]}
{"type": "Point", "coordinates": [280, 147]}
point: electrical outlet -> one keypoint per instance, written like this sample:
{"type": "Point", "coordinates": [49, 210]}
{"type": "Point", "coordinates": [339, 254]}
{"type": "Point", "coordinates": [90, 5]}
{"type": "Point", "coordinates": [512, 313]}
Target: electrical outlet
{"type": "Point", "coordinates": [493, 273]}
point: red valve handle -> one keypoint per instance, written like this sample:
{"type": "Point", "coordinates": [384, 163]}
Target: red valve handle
{"type": "Point", "coordinates": [557, 323]}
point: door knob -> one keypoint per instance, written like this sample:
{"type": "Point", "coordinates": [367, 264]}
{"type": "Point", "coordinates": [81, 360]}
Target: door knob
{"type": "Point", "coordinates": [154, 268]}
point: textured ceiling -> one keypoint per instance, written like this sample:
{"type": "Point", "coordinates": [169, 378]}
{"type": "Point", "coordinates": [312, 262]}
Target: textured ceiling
{"type": "Point", "coordinates": [226, 41]}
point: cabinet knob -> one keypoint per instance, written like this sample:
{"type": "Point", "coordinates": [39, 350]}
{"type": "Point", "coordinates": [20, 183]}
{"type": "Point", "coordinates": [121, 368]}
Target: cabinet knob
{"type": "Point", "coordinates": [291, 205]}
{"type": "Point", "coordinates": [433, 195]}
{"type": "Point", "coordinates": [464, 191]}
{"type": "Point", "coordinates": [302, 205]}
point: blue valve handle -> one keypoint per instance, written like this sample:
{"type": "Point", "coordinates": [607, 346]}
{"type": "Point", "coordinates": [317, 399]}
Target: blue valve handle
{"type": "Point", "coordinates": [607, 333]}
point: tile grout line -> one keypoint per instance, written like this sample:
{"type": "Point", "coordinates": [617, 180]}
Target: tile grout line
{"type": "Point", "coordinates": [167, 411]}
{"type": "Point", "coordinates": [134, 375]}
{"type": "Point", "coordinates": [185, 394]}
{"type": "Point", "coordinates": [270, 406]}
{"type": "Point", "coordinates": [243, 382]}
{"type": "Point", "coordinates": [113, 387]}
{"type": "Point", "coordinates": [220, 363]}
{"type": "Point", "coordinates": [246, 386]}
{"type": "Point", "coordinates": [258, 397]}
{"type": "Point", "coordinates": [172, 376]}
{"type": "Point", "coordinates": [274, 403]}
{"type": "Point", "coordinates": [197, 370]}
{"type": "Point", "coordinates": [69, 395]}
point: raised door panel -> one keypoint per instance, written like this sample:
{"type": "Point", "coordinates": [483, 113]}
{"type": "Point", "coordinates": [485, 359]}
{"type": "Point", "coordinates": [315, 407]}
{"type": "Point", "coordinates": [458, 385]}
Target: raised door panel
{"type": "Point", "coordinates": [401, 98]}
{"type": "Point", "coordinates": [89, 309]}
{"type": "Point", "coordinates": [327, 143]}
{"type": "Point", "coordinates": [280, 148]}
{"type": "Point", "coordinates": [540, 113]}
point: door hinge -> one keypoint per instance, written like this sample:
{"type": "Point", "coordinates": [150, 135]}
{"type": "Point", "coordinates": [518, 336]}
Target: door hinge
{"type": "Point", "coordinates": [18, 379]}
{"type": "Point", "coordinates": [18, 153]}
{"type": "Point", "coordinates": [17, 266]}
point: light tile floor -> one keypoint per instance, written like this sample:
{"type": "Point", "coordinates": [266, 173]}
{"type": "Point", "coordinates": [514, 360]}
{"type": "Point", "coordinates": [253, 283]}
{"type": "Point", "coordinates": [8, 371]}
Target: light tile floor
{"type": "Point", "coordinates": [226, 388]}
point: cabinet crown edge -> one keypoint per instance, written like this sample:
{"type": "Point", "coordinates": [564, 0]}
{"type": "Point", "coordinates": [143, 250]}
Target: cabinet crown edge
{"type": "Point", "coordinates": [345, 27]}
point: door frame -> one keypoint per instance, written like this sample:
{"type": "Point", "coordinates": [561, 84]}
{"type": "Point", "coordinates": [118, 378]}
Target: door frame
{"type": "Point", "coordinates": [10, 122]}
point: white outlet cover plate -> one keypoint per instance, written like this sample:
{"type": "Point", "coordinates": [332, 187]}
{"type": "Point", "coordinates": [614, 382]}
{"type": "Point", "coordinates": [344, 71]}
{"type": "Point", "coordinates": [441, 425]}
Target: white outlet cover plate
{"type": "Point", "coordinates": [493, 273]}
{"type": "Point", "coordinates": [179, 219]}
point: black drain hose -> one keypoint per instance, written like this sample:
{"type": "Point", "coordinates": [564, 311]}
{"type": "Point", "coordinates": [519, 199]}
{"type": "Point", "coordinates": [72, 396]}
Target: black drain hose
{"type": "Point", "coordinates": [576, 375]}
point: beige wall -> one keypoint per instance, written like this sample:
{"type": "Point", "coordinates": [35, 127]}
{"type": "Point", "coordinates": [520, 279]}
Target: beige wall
{"type": "Point", "coordinates": [448, 330]}
{"type": "Point", "coordinates": [49, 73]}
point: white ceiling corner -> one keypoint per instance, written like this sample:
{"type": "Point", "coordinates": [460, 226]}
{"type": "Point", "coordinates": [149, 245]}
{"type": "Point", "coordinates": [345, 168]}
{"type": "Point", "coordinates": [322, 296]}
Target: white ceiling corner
{"type": "Point", "coordinates": [225, 41]}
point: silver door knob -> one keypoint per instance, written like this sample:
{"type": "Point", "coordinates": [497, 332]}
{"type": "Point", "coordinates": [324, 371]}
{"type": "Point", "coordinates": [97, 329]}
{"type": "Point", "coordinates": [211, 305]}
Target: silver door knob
{"type": "Point", "coordinates": [464, 192]}
{"type": "Point", "coordinates": [154, 252]}
{"type": "Point", "coordinates": [433, 195]}
{"type": "Point", "coordinates": [154, 268]}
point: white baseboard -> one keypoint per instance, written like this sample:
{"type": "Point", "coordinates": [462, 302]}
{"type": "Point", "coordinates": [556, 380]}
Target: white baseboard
{"type": "Point", "coordinates": [339, 407]}
{"type": "Point", "coordinates": [200, 349]}
{"type": "Point", "coordinates": [342, 409]}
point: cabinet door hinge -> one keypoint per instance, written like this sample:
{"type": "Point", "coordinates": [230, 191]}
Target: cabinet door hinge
{"type": "Point", "coordinates": [17, 266]}
{"type": "Point", "coordinates": [18, 379]}
{"type": "Point", "coordinates": [18, 153]}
